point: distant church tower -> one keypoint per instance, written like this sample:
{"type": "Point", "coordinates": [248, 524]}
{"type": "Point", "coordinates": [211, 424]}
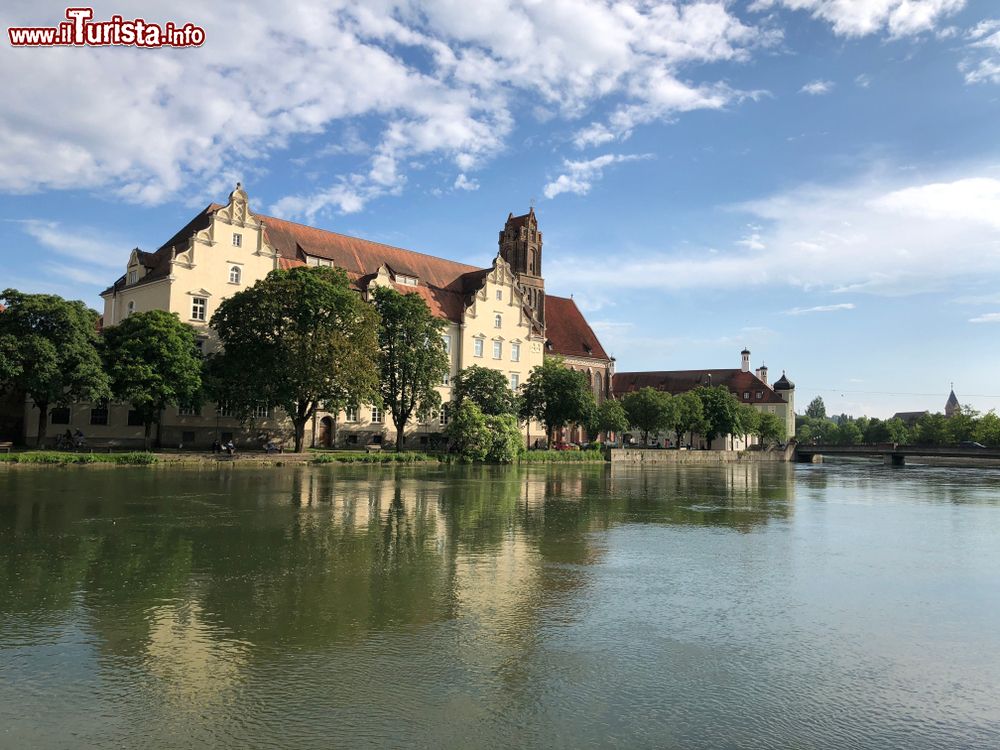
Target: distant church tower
{"type": "Point", "coordinates": [521, 247]}
{"type": "Point", "coordinates": [952, 406]}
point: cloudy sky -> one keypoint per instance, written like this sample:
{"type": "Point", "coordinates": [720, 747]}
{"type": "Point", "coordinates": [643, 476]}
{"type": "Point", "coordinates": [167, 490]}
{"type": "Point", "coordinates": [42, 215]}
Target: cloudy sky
{"type": "Point", "coordinates": [818, 180]}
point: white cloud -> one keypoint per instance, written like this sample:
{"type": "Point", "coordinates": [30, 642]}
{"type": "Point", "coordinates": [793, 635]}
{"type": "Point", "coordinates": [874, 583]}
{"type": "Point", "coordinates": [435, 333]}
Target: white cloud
{"type": "Point", "coordinates": [862, 17]}
{"type": "Point", "coordinates": [192, 121]}
{"type": "Point", "coordinates": [986, 318]}
{"type": "Point", "coordinates": [864, 80]}
{"type": "Point", "coordinates": [464, 183]}
{"type": "Point", "coordinates": [81, 243]}
{"type": "Point", "coordinates": [869, 236]}
{"type": "Point", "coordinates": [820, 309]}
{"type": "Point", "coordinates": [580, 175]}
{"type": "Point", "coordinates": [817, 88]}
{"type": "Point", "coordinates": [982, 64]}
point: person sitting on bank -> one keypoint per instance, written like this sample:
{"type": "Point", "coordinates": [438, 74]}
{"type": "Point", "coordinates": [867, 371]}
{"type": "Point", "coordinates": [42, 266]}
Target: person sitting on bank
{"type": "Point", "coordinates": [230, 448]}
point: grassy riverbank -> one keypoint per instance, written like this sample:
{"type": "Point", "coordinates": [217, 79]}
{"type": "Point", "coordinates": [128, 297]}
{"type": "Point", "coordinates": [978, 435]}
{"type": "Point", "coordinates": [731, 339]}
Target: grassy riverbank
{"type": "Point", "coordinates": [136, 458]}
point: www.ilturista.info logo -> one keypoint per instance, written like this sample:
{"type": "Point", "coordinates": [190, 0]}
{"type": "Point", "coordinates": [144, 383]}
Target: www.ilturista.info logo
{"type": "Point", "coordinates": [80, 31]}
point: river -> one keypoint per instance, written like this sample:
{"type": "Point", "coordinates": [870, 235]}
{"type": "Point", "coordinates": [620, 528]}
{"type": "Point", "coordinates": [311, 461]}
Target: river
{"type": "Point", "coordinates": [752, 606]}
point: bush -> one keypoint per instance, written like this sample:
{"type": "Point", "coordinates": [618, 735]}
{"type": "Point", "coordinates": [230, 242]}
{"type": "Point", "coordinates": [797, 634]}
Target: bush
{"type": "Point", "coordinates": [137, 458]}
{"type": "Point", "coordinates": [506, 443]}
{"type": "Point", "coordinates": [373, 458]}
{"type": "Point", "coordinates": [562, 456]}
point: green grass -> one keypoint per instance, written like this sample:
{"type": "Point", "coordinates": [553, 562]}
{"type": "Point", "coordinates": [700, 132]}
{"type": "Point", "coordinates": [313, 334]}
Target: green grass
{"type": "Point", "coordinates": [136, 458]}
{"type": "Point", "coordinates": [357, 457]}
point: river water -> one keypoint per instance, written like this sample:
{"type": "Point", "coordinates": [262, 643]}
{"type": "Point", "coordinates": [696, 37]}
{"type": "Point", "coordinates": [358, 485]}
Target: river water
{"type": "Point", "coordinates": [822, 606]}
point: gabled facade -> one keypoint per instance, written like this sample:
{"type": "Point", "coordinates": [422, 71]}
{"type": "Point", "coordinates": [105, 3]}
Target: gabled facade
{"type": "Point", "coordinates": [496, 316]}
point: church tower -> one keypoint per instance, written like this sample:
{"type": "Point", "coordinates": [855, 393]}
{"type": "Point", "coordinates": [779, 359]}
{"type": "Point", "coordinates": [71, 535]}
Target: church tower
{"type": "Point", "coordinates": [521, 247]}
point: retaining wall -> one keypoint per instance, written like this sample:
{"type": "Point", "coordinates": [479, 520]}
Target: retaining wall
{"type": "Point", "coordinates": [646, 456]}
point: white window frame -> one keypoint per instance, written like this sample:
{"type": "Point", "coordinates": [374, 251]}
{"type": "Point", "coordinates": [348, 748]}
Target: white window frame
{"type": "Point", "coordinates": [515, 352]}
{"type": "Point", "coordinates": [477, 348]}
{"type": "Point", "coordinates": [237, 239]}
{"type": "Point", "coordinates": [446, 379]}
{"type": "Point", "coordinates": [500, 294]}
{"type": "Point", "coordinates": [133, 275]}
{"type": "Point", "coordinates": [497, 350]}
{"type": "Point", "coordinates": [235, 275]}
{"type": "Point", "coordinates": [447, 343]}
{"type": "Point", "coordinates": [196, 303]}
{"type": "Point", "coordinates": [515, 381]}
{"type": "Point", "coordinates": [351, 414]}
{"type": "Point", "coordinates": [498, 321]}
{"type": "Point", "coordinates": [443, 416]}
{"type": "Point", "coordinates": [377, 417]}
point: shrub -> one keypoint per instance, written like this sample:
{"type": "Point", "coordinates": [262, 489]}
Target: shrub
{"type": "Point", "coordinates": [505, 440]}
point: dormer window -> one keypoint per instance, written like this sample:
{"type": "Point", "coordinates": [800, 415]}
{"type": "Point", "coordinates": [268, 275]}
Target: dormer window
{"type": "Point", "coordinates": [235, 275]}
{"type": "Point", "coordinates": [406, 280]}
{"type": "Point", "coordinates": [133, 275]}
{"type": "Point", "coordinates": [237, 239]}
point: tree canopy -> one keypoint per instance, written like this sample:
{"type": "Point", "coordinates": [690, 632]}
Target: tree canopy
{"type": "Point", "coordinates": [648, 410]}
{"type": "Point", "coordinates": [488, 389]}
{"type": "Point", "coordinates": [412, 360]}
{"type": "Point", "coordinates": [153, 361]}
{"type": "Point", "coordinates": [816, 409]}
{"type": "Point", "coordinates": [688, 414]}
{"type": "Point", "coordinates": [298, 339]}
{"type": "Point", "coordinates": [721, 410]}
{"type": "Point", "coordinates": [556, 396]}
{"type": "Point", "coordinates": [609, 417]}
{"type": "Point", "coordinates": [48, 350]}
{"type": "Point", "coordinates": [484, 437]}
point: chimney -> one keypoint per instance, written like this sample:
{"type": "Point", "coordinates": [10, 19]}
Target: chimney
{"type": "Point", "coordinates": [746, 360]}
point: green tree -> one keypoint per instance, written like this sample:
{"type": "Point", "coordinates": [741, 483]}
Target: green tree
{"type": "Point", "coordinates": [556, 397]}
{"type": "Point", "coordinates": [48, 350]}
{"type": "Point", "coordinates": [153, 362]}
{"type": "Point", "coordinates": [412, 359]}
{"type": "Point", "coordinates": [609, 417]}
{"type": "Point", "coordinates": [688, 415]}
{"type": "Point", "coordinates": [847, 433]}
{"type": "Point", "coordinates": [748, 421]}
{"type": "Point", "coordinates": [648, 410]}
{"type": "Point", "coordinates": [897, 431]}
{"type": "Point", "coordinates": [962, 425]}
{"type": "Point", "coordinates": [467, 431]}
{"type": "Point", "coordinates": [770, 428]}
{"type": "Point", "coordinates": [988, 429]}
{"type": "Point", "coordinates": [297, 339]}
{"type": "Point", "coordinates": [816, 408]}
{"type": "Point", "coordinates": [488, 389]}
{"type": "Point", "coordinates": [721, 411]}
{"type": "Point", "coordinates": [932, 429]}
{"type": "Point", "coordinates": [506, 440]}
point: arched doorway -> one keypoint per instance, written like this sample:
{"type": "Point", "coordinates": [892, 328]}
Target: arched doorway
{"type": "Point", "coordinates": [326, 432]}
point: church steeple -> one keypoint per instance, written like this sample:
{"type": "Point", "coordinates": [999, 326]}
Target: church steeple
{"type": "Point", "coordinates": [952, 406]}
{"type": "Point", "coordinates": [521, 246]}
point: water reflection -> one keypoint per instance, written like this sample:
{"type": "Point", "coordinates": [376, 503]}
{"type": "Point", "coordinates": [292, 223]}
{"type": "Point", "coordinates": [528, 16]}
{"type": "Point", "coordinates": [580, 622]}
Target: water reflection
{"type": "Point", "coordinates": [217, 604]}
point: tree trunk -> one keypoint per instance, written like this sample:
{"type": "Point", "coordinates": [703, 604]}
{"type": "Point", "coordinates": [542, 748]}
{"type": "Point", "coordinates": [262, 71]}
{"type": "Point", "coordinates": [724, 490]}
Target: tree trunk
{"type": "Point", "coordinates": [400, 433]}
{"type": "Point", "coordinates": [147, 431]}
{"type": "Point", "coordinates": [300, 430]}
{"type": "Point", "coordinates": [43, 423]}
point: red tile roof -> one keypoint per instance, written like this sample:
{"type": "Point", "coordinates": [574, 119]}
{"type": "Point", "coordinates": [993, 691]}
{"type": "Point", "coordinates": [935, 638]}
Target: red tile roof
{"type": "Point", "coordinates": [567, 331]}
{"type": "Point", "coordinates": [681, 381]}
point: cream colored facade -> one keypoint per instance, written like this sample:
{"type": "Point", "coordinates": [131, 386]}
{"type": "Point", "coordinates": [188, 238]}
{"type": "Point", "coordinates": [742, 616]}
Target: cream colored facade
{"type": "Point", "coordinates": [226, 249]}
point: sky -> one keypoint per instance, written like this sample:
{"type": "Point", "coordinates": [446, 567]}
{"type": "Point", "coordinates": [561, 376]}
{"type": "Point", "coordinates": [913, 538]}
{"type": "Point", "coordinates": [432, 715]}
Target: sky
{"type": "Point", "coordinates": [816, 180]}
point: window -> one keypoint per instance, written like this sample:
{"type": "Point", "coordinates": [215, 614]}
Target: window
{"type": "Point", "coordinates": [746, 395]}
{"type": "Point", "coordinates": [478, 347]}
{"type": "Point", "coordinates": [188, 410]}
{"type": "Point", "coordinates": [515, 352]}
{"type": "Point", "coordinates": [760, 395]}
{"type": "Point", "coordinates": [498, 321]}
{"type": "Point", "coordinates": [237, 239]}
{"type": "Point", "coordinates": [500, 294]}
{"type": "Point", "coordinates": [260, 412]}
{"type": "Point", "coordinates": [376, 415]}
{"type": "Point", "coordinates": [497, 349]}
{"type": "Point", "coordinates": [446, 380]}
{"type": "Point", "coordinates": [351, 414]}
{"type": "Point", "coordinates": [447, 343]}
{"type": "Point", "coordinates": [514, 381]}
{"type": "Point", "coordinates": [133, 276]}
{"type": "Point", "coordinates": [134, 418]}
{"type": "Point", "coordinates": [406, 280]}
{"type": "Point", "coordinates": [443, 416]}
{"type": "Point", "coordinates": [225, 409]}
{"type": "Point", "coordinates": [130, 309]}
{"type": "Point", "coordinates": [99, 414]}
{"type": "Point", "coordinates": [199, 305]}
{"type": "Point", "coordinates": [235, 274]}
{"type": "Point", "coordinates": [60, 415]}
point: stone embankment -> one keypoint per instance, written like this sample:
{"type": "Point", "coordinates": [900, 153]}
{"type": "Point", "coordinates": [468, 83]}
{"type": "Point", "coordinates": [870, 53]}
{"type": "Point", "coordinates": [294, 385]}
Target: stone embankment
{"type": "Point", "coordinates": [707, 458]}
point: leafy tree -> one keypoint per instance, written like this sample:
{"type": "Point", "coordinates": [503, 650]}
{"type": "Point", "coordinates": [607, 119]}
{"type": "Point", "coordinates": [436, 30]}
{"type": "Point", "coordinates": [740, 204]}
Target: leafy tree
{"type": "Point", "coordinates": [488, 389]}
{"type": "Point", "coordinates": [48, 350]}
{"type": "Point", "coordinates": [898, 432]}
{"type": "Point", "coordinates": [556, 396]}
{"type": "Point", "coordinates": [988, 429]}
{"type": "Point", "coordinates": [962, 425]}
{"type": "Point", "coordinates": [467, 431]}
{"type": "Point", "coordinates": [153, 361]}
{"type": "Point", "coordinates": [412, 359]}
{"type": "Point", "coordinates": [721, 411]}
{"type": "Point", "coordinates": [609, 417]}
{"type": "Point", "coordinates": [847, 433]}
{"type": "Point", "coordinates": [506, 440]}
{"type": "Point", "coordinates": [648, 410]}
{"type": "Point", "coordinates": [770, 428]}
{"type": "Point", "coordinates": [816, 408]}
{"type": "Point", "coordinates": [298, 339]}
{"type": "Point", "coordinates": [932, 429]}
{"type": "Point", "coordinates": [748, 421]}
{"type": "Point", "coordinates": [687, 413]}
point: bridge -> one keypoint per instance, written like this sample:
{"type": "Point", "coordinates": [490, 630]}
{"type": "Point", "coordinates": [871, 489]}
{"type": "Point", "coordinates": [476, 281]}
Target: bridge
{"type": "Point", "coordinates": [891, 453]}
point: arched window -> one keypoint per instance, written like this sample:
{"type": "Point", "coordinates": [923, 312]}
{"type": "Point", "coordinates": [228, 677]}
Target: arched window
{"type": "Point", "coordinates": [131, 309]}
{"type": "Point", "coordinates": [235, 274]}
{"type": "Point", "coordinates": [498, 321]}
{"type": "Point", "coordinates": [531, 263]}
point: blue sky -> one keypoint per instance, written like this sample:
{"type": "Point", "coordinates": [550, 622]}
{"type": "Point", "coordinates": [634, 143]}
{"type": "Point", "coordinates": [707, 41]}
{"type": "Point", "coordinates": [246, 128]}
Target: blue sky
{"type": "Point", "coordinates": [818, 180]}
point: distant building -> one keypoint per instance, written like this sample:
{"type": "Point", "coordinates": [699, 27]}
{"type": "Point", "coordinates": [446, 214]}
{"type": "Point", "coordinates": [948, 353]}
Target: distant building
{"type": "Point", "coordinates": [952, 406]}
{"type": "Point", "coordinates": [748, 387]}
